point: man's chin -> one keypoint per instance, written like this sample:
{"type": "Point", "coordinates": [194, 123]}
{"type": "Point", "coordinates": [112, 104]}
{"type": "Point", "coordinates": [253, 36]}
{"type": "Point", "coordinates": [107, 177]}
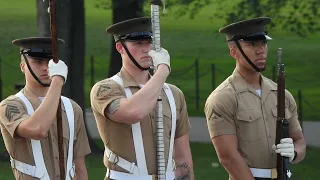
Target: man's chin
{"type": "Point", "coordinates": [146, 66]}
{"type": "Point", "coordinates": [262, 68]}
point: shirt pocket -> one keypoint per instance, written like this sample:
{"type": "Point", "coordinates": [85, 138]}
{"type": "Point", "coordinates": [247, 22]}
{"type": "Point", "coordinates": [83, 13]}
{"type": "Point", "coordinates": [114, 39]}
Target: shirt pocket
{"type": "Point", "coordinates": [250, 125]}
{"type": "Point", "coordinates": [288, 114]}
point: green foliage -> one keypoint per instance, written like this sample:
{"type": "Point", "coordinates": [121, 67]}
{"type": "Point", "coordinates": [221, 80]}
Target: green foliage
{"type": "Point", "coordinates": [302, 17]}
{"type": "Point", "coordinates": [294, 16]}
{"type": "Point", "coordinates": [103, 4]}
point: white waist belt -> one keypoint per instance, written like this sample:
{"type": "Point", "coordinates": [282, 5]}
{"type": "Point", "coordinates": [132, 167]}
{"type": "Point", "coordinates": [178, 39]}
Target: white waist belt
{"type": "Point", "coordinates": [113, 158]}
{"type": "Point", "coordinates": [264, 173]}
{"type": "Point", "coordinates": [126, 176]}
{"type": "Point", "coordinates": [27, 169]}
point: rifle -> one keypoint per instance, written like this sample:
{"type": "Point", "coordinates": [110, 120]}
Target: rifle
{"type": "Point", "coordinates": [283, 171]}
{"type": "Point", "coordinates": [53, 32]}
{"type": "Point", "coordinates": [160, 158]}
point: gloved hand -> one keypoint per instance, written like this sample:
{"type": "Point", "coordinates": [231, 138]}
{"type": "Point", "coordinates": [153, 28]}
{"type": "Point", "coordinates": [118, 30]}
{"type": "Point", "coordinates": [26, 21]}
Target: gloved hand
{"type": "Point", "coordinates": [59, 69]}
{"type": "Point", "coordinates": [160, 57]}
{"type": "Point", "coordinates": [285, 148]}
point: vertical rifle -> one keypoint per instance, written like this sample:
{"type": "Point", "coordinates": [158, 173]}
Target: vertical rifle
{"type": "Point", "coordinates": [283, 171]}
{"type": "Point", "coordinates": [53, 32]}
{"type": "Point", "coordinates": [161, 162]}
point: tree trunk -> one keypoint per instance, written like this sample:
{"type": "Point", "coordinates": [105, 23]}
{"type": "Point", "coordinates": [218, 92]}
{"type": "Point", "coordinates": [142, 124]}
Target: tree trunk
{"type": "Point", "coordinates": [122, 10]}
{"type": "Point", "coordinates": [71, 28]}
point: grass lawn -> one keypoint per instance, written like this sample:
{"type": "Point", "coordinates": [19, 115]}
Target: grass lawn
{"type": "Point", "coordinates": [206, 165]}
{"type": "Point", "coordinates": [186, 41]}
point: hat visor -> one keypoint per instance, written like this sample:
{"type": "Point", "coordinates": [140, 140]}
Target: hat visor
{"type": "Point", "coordinates": [256, 38]}
{"type": "Point", "coordinates": [38, 53]}
{"type": "Point", "coordinates": [138, 38]}
{"type": "Point", "coordinates": [268, 37]}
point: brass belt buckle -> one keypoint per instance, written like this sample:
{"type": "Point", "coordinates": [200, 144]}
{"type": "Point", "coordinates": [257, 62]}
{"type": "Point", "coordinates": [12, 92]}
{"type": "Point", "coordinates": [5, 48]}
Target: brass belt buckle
{"type": "Point", "coordinates": [274, 173]}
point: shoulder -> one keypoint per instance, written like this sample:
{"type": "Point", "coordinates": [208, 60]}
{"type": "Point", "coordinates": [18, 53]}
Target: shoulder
{"type": "Point", "coordinates": [222, 98]}
{"type": "Point", "coordinates": [75, 105]}
{"type": "Point", "coordinates": [10, 106]}
{"type": "Point", "coordinates": [177, 93]}
{"type": "Point", "coordinates": [223, 92]}
{"type": "Point", "coordinates": [289, 97]}
{"type": "Point", "coordinates": [104, 87]}
{"type": "Point", "coordinates": [11, 100]}
{"type": "Point", "coordinates": [273, 85]}
{"type": "Point", "coordinates": [175, 89]}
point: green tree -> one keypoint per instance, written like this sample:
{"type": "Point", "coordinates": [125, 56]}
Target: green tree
{"type": "Point", "coordinates": [293, 16]}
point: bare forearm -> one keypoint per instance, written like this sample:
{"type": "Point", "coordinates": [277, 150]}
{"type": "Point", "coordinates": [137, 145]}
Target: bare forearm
{"type": "Point", "coordinates": [183, 159]}
{"type": "Point", "coordinates": [300, 148]}
{"type": "Point", "coordinates": [184, 169]}
{"type": "Point", "coordinates": [45, 114]}
{"type": "Point", "coordinates": [145, 99]}
{"type": "Point", "coordinates": [81, 169]}
{"type": "Point", "coordinates": [81, 175]}
{"type": "Point", "coordinates": [237, 167]}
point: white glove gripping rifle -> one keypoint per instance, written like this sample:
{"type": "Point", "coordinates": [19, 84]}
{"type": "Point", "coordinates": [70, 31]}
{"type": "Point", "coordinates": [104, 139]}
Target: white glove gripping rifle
{"type": "Point", "coordinates": [155, 20]}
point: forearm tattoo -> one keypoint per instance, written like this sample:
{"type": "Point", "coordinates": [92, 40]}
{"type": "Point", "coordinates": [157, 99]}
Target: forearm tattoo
{"type": "Point", "coordinates": [183, 171]}
{"type": "Point", "coordinates": [113, 106]}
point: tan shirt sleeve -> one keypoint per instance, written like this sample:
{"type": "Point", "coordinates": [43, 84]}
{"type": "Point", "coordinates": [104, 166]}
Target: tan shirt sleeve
{"type": "Point", "coordinates": [219, 111]}
{"type": "Point", "coordinates": [183, 124]}
{"type": "Point", "coordinates": [12, 113]}
{"type": "Point", "coordinates": [81, 145]}
{"type": "Point", "coordinates": [103, 93]}
{"type": "Point", "coordinates": [294, 125]}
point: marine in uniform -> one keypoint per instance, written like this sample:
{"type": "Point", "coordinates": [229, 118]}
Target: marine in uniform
{"type": "Point", "coordinates": [124, 107]}
{"type": "Point", "coordinates": [28, 118]}
{"type": "Point", "coordinates": [241, 112]}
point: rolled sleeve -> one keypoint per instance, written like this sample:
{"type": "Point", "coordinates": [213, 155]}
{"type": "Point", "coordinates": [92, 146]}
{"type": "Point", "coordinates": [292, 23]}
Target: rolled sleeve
{"type": "Point", "coordinates": [12, 113]}
{"type": "Point", "coordinates": [103, 93]}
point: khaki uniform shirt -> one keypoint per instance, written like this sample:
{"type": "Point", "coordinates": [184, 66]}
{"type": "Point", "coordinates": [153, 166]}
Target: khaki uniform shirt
{"type": "Point", "coordinates": [235, 108]}
{"type": "Point", "coordinates": [118, 136]}
{"type": "Point", "coordinates": [13, 112]}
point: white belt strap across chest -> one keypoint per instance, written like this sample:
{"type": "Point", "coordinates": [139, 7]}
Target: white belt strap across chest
{"type": "Point", "coordinates": [40, 170]}
{"type": "Point", "coordinates": [141, 168]}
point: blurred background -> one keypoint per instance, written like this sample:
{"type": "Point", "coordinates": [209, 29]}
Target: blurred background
{"type": "Point", "coordinates": [199, 56]}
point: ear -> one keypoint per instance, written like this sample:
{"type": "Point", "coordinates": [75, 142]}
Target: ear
{"type": "Point", "coordinates": [233, 52]}
{"type": "Point", "coordinates": [119, 47]}
{"type": "Point", "coordinates": [23, 66]}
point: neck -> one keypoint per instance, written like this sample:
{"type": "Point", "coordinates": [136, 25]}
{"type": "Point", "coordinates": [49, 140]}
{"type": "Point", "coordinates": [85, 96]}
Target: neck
{"type": "Point", "coordinates": [140, 76]}
{"type": "Point", "coordinates": [251, 77]}
{"type": "Point", "coordinates": [38, 90]}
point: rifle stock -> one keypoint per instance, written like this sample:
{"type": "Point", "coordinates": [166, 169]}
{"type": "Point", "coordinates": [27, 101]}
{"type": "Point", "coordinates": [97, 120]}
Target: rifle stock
{"type": "Point", "coordinates": [283, 171]}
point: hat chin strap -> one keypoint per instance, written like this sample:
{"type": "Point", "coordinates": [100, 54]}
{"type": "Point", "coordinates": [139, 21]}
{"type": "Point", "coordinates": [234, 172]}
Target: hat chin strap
{"type": "Point", "coordinates": [131, 57]}
{"type": "Point", "coordinates": [247, 59]}
{"type": "Point", "coordinates": [34, 76]}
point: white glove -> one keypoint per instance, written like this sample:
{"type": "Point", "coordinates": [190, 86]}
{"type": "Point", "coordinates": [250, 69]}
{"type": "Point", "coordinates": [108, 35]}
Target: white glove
{"type": "Point", "coordinates": [59, 69]}
{"type": "Point", "coordinates": [160, 57]}
{"type": "Point", "coordinates": [285, 148]}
